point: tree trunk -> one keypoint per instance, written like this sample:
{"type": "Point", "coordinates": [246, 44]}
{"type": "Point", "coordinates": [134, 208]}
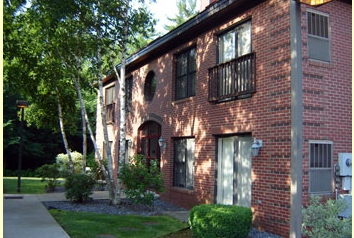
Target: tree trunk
{"type": "Point", "coordinates": [109, 179]}
{"type": "Point", "coordinates": [84, 128]}
{"type": "Point", "coordinates": [122, 116]}
{"type": "Point", "coordinates": [88, 126]}
{"type": "Point", "coordinates": [62, 130]}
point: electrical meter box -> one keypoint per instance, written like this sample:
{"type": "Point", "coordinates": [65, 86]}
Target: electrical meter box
{"type": "Point", "coordinates": [345, 164]}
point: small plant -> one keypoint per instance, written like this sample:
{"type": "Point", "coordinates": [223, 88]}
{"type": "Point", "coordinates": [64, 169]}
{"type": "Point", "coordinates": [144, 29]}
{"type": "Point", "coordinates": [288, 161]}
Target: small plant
{"type": "Point", "coordinates": [138, 179]}
{"type": "Point", "coordinates": [321, 220]}
{"type": "Point", "coordinates": [50, 174]}
{"type": "Point", "coordinates": [78, 187]}
{"type": "Point", "coordinates": [215, 220]}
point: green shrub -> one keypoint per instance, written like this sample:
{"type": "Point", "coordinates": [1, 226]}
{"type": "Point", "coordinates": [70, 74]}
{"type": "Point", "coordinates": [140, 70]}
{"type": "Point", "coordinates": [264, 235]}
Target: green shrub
{"type": "Point", "coordinates": [215, 220]}
{"type": "Point", "coordinates": [138, 179]}
{"type": "Point", "coordinates": [24, 173]}
{"type": "Point", "coordinates": [78, 187]}
{"type": "Point", "coordinates": [63, 161]}
{"type": "Point", "coordinates": [50, 174]}
{"type": "Point", "coordinates": [321, 220]}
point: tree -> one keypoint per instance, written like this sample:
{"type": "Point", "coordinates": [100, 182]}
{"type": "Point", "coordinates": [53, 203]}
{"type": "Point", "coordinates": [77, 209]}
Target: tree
{"type": "Point", "coordinates": [186, 10]}
{"type": "Point", "coordinates": [51, 42]}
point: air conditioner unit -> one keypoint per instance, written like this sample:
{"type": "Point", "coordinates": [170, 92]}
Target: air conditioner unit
{"type": "Point", "coordinates": [348, 211]}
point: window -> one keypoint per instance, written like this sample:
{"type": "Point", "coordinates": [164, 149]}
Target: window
{"type": "Point", "coordinates": [128, 94]}
{"type": "Point", "coordinates": [235, 73]}
{"type": "Point", "coordinates": [186, 74]}
{"type": "Point", "coordinates": [150, 86]}
{"type": "Point", "coordinates": [109, 103]}
{"type": "Point", "coordinates": [318, 36]}
{"type": "Point", "coordinates": [235, 43]}
{"type": "Point", "coordinates": [184, 163]}
{"type": "Point", "coordinates": [320, 172]}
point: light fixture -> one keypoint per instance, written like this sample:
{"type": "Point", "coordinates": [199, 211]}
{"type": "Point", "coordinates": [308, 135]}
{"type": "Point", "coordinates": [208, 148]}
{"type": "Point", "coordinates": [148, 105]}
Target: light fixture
{"type": "Point", "coordinates": [162, 143]}
{"type": "Point", "coordinates": [315, 2]}
{"type": "Point", "coordinates": [130, 143]}
{"type": "Point", "coordinates": [257, 144]}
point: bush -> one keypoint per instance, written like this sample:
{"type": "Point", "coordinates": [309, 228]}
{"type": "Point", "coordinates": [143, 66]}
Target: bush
{"type": "Point", "coordinates": [138, 179]}
{"type": "Point", "coordinates": [216, 220]}
{"type": "Point", "coordinates": [78, 187]}
{"type": "Point", "coordinates": [24, 173]}
{"type": "Point", "coordinates": [63, 161]}
{"type": "Point", "coordinates": [321, 220]}
{"type": "Point", "coordinates": [49, 173]}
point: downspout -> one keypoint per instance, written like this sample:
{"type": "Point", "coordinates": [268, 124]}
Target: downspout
{"type": "Point", "coordinates": [296, 119]}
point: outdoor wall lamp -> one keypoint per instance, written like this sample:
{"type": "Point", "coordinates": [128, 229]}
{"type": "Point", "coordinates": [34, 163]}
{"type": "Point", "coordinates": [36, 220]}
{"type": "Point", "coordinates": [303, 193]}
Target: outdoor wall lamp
{"type": "Point", "coordinates": [315, 2]}
{"type": "Point", "coordinates": [130, 143]}
{"type": "Point", "coordinates": [257, 144]}
{"type": "Point", "coordinates": [162, 143]}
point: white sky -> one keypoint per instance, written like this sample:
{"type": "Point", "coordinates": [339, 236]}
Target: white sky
{"type": "Point", "coordinates": [161, 9]}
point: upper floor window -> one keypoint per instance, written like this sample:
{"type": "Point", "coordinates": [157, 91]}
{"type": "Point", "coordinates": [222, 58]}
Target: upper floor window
{"type": "Point", "coordinates": [185, 74]}
{"type": "Point", "coordinates": [318, 36]}
{"type": "Point", "coordinates": [235, 43]}
{"type": "Point", "coordinates": [150, 86]}
{"type": "Point", "coordinates": [320, 171]}
{"type": "Point", "coordinates": [183, 175]}
{"type": "Point", "coordinates": [128, 94]}
{"type": "Point", "coordinates": [234, 76]}
{"type": "Point", "coordinates": [109, 103]}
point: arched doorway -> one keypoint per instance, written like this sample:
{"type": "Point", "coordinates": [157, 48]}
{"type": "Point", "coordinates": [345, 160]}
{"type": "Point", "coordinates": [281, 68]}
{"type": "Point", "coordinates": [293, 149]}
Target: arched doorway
{"type": "Point", "coordinates": [149, 134]}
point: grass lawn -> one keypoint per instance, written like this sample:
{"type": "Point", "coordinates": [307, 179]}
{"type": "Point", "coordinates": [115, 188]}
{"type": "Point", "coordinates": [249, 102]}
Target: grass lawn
{"type": "Point", "coordinates": [86, 225]}
{"type": "Point", "coordinates": [28, 185]}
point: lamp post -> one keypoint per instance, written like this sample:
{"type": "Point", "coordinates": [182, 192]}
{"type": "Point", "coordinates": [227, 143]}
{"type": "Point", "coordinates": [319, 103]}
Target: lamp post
{"type": "Point", "coordinates": [22, 104]}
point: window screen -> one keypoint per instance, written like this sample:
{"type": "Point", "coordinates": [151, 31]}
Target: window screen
{"type": "Point", "coordinates": [320, 167]}
{"type": "Point", "coordinates": [318, 36]}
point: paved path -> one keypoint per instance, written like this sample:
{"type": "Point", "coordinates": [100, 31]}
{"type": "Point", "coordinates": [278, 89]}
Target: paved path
{"type": "Point", "coordinates": [26, 217]}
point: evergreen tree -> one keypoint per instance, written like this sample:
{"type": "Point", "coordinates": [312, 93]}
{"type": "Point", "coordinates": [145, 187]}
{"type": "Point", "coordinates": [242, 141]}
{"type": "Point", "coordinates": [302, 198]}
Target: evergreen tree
{"type": "Point", "coordinates": [186, 10]}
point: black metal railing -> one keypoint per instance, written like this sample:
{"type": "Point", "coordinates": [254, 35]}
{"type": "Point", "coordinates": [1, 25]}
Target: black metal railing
{"type": "Point", "coordinates": [110, 112]}
{"type": "Point", "coordinates": [232, 79]}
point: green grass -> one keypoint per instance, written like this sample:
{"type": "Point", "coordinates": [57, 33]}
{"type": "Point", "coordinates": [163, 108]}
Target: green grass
{"type": "Point", "coordinates": [87, 225]}
{"type": "Point", "coordinates": [28, 185]}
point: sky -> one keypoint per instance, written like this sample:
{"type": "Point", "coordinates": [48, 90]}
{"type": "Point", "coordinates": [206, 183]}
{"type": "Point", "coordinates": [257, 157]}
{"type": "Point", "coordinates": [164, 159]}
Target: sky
{"type": "Point", "coordinates": [163, 9]}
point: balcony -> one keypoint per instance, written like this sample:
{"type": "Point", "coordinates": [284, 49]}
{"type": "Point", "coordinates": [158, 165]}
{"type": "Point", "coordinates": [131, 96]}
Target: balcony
{"type": "Point", "coordinates": [233, 79]}
{"type": "Point", "coordinates": [110, 112]}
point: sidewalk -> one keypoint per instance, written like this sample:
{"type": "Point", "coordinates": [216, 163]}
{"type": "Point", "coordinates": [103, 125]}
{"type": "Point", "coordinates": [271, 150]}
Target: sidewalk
{"type": "Point", "coordinates": [26, 217]}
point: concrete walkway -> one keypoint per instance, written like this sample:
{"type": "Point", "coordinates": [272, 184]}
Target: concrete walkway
{"type": "Point", "coordinates": [25, 216]}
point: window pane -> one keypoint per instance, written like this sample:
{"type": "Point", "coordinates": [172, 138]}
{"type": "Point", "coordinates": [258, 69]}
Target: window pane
{"type": "Point", "coordinates": [185, 74]}
{"type": "Point", "coordinates": [184, 163]}
{"type": "Point", "coordinates": [227, 47]}
{"type": "Point", "coordinates": [244, 39]}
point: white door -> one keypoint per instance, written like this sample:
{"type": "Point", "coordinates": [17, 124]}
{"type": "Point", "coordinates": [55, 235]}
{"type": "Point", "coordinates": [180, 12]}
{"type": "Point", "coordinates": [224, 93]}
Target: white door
{"type": "Point", "coordinates": [234, 171]}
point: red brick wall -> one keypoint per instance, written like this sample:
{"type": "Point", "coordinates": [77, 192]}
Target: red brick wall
{"type": "Point", "coordinates": [327, 88]}
{"type": "Point", "coordinates": [266, 115]}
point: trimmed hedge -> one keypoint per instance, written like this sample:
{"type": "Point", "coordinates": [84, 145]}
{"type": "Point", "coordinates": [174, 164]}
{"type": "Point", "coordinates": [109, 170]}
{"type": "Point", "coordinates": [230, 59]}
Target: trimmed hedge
{"type": "Point", "coordinates": [215, 220]}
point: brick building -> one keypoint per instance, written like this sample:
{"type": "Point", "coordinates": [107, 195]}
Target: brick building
{"type": "Point", "coordinates": [222, 79]}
